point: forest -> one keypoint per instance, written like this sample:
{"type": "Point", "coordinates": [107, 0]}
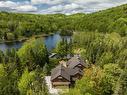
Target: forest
{"type": "Point", "coordinates": [16, 26]}
{"type": "Point", "coordinates": [101, 37]}
{"type": "Point", "coordinates": [106, 56]}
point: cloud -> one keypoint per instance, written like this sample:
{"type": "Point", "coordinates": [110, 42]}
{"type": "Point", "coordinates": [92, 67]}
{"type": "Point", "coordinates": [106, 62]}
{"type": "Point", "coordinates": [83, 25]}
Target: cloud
{"type": "Point", "coordinates": [72, 6]}
{"type": "Point", "coordinates": [27, 8]}
{"type": "Point", "coordinates": [49, 2]}
{"type": "Point", "coordinates": [7, 4]}
{"type": "Point", "coordinates": [17, 6]}
{"type": "Point", "coordinates": [67, 8]}
{"type": "Point", "coordinates": [58, 6]}
{"type": "Point", "coordinates": [77, 6]}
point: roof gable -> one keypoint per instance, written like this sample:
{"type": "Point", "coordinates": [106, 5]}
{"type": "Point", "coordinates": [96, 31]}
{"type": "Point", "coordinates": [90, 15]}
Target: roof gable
{"type": "Point", "coordinates": [74, 71]}
{"type": "Point", "coordinates": [74, 61]}
{"type": "Point", "coordinates": [60, 70]}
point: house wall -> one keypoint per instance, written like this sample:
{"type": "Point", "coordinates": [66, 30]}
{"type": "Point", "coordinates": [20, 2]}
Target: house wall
{"type": "Point", "coordinates": [60, 83]}
{"type": "Point", "coordinates": [60, 80]}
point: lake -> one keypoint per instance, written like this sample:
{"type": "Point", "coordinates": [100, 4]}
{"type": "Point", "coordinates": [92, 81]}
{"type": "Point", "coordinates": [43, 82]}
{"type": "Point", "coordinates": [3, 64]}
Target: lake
{"type": "Point", "coordinates": [50, 42]}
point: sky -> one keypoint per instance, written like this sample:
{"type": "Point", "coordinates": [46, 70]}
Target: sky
{"type": "Point", "coordinates": [58, 6]}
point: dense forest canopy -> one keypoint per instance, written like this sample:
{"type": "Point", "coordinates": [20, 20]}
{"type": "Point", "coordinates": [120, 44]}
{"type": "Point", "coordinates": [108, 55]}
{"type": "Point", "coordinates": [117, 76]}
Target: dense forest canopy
{"type": "Point", "coordinates": [107, 64]}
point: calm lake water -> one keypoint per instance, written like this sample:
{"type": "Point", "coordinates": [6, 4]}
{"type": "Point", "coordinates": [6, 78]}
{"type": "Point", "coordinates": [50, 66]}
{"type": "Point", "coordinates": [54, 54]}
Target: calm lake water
{"type": "Point", "coordinates": [50, 42]}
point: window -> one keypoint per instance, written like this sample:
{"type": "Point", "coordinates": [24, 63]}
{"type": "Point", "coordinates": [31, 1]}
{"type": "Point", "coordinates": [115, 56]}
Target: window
{"type": "Point", "coordinates": [80, 65]}
{"type": "Point", "coordinates": [59, 77]}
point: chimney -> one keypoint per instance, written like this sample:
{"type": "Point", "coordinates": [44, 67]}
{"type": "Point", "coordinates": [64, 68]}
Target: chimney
{"type": "Point", "coordinates": [63, 63]}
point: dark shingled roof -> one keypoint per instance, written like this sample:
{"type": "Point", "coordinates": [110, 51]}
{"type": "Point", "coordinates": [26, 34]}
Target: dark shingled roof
{"type": "Point", "coordinates": [71, 70]}
{"type": "Point", "coordinates": [66, 73]}
{"type": "Point", "coordinates": [60, 70]}
{"type": "Point", "coordinates": [74, 61]}
{"type": "Point", "coordinates": [75, 71]}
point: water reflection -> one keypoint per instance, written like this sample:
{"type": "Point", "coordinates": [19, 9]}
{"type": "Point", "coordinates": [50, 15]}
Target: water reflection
{"type": "Point", "coordinates": [50, 42]}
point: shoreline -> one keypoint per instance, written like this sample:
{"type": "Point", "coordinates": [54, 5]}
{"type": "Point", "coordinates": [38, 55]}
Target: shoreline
{"type": "Point", "coordinates": [26, 38]}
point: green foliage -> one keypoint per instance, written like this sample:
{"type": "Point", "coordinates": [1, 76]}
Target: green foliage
{"type": "Point", "coordinates": [61, 49]}
{"type": "Point", "coordinates": [120, 26]}
{"type": "Point", "coordinates": [1, 56]}
{"type": "Point", "coordinates": [66, 33]}
{"type": "Point", "coordinates": [97, 81]}
{"type": "Point", "coordinates": [106, 57]}
{"type": "Point", "coordinates": [19, 79]}
{"type": "Point", "coordinates": [34, 53]}
{"type": "Point", "coordinates": [108, 54]}
{"type": "Point", "coordinates": [100, 48]}
{"type": "Point", "coordinates": [45, 68]}
{"type": "Point", "coordinates": [38, 86]}
{"type": "Point", "coordinates": [64, 48]}
{"type": "Point", "coordinates": [10, 36]}
{"type": "Point", "coordinates": [111, 20]}
{"type": "Point", "coordinates": [2, 71]}
{"type": "Point", "coordinates": [8, 80]}
{"type": "Point", "coordinates": [25, 81]}
{"type": "Point", "coordinates": [52, 64]}
{"type": "Point", "coordinates": [111, 74]}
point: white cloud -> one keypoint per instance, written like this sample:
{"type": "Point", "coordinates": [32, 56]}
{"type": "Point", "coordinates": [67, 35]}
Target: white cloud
{"type": "Point", "coordinates": [73, 6]}
{"type": "Point", "coordinates": [8, 4]}
{"type": "Point", "coordinates": [26, 8]}
{"type": "Point", "coordinates": [58, 6]}
{"type": "Point", "coordinates": [52, 2]}
{"type": "Point", "coordinates": [17, 6]}
{"type": "Point", "coordinates": [49, 2]}
{"type": "Point", "coordinates": [64, 8]}
{"type": "Point", "coordinates": [105, 5]}
{"type": "Point", "coordinates": [76, 6]}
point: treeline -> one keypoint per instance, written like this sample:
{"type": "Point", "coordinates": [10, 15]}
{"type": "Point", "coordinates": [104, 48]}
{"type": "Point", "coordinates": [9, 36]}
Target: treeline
{"type": "Point", "coordinates": [15, 26]}
{"type": "Point", "coordinates": [110, 20]}
{"type": "Point", "coordinates": [106, 56]}
{"type": "Point", "coordinates": [22, 72]}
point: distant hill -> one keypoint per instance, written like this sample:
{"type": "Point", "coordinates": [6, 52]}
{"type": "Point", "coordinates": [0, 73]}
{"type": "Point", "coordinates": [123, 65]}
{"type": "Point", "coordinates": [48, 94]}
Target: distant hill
{"type": "Point", "coordinates": [103, 21]}
{"type": "Point", "coordinates": [14, 25]}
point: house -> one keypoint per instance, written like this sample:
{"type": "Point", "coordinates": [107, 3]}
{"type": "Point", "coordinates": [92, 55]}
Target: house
{"type": "Point", "coordinates": [75, 74]}
{"type": "Point", "coordinates": [76, 62]}
{"type": "Point", "coordinates": [60, 77]}
{"type": "Point", "coordinates": [66, 73]}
